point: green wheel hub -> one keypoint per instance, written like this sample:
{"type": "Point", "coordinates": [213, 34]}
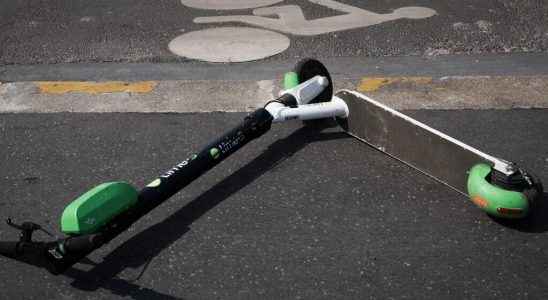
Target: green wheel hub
{"type": "Point", "coordinates": [291, 80]}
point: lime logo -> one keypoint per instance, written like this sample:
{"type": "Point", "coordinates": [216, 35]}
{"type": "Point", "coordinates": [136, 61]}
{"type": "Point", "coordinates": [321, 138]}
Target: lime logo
{"type": "Point", "coordinates": [214, 153]}
{"type": "Point", "coordinates": [89, 221]}
{"type": "Point", "coordinates": [241, 136]}
{"type": "Point", "coordinates": [154, 183]}
{"type": "Point", "coordinates": [174, 169]}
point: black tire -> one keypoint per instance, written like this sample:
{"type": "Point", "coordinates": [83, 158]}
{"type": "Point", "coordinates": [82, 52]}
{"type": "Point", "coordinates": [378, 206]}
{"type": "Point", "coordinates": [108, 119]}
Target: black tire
{"type": "Point", "coordinates": [8, 248]}
{"type": "Point", "coordinates": [534, 192]}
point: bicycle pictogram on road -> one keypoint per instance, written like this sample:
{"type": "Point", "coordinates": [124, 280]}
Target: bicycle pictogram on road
{"type": "Point", "coordinates": [239, 44]}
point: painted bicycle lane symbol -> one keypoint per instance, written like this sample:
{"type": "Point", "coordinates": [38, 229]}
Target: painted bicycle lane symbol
{"type": "Point", "coordinates": [240, 44]}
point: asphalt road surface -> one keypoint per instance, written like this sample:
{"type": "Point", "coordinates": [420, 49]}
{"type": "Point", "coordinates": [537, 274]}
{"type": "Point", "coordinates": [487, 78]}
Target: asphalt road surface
{"type": "Point", "coordinates": [58, 31]}
{"type": "Point", "coordinates": [305, 212]}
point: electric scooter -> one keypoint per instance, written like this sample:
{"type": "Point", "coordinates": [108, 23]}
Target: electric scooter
{"type": "Point", "coordinates": [500, 188]}
{"type": "Point", "coordinates": [109, 209]}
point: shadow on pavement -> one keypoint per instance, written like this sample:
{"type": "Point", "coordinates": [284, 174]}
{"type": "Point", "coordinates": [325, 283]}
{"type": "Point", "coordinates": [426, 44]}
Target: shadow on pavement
{"type": "Point", "coordinates": [139, 250]}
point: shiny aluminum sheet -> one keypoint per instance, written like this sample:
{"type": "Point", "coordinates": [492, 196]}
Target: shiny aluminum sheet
{"type": "Point", "coordinates": [409, 141]}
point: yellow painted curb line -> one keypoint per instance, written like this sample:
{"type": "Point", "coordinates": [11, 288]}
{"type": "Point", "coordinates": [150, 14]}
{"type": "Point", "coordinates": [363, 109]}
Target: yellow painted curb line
{"type": "Point", "coordinates": [87, 87]}
{"type": "Point", "coordinates": [370, 84]}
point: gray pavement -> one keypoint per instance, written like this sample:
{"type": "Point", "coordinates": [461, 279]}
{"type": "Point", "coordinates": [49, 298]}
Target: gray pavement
{"type": "Point", "coordinates": [58, 31]}
{"type": "Point", "coordinates": [305, 212]}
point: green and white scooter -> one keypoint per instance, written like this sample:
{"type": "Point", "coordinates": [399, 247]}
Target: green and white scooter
{"type": "Point", "coordinates": [109, 209]}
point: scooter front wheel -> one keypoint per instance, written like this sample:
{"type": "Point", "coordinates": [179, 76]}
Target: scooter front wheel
{"type": "Point", "coordinates": [305, 69]}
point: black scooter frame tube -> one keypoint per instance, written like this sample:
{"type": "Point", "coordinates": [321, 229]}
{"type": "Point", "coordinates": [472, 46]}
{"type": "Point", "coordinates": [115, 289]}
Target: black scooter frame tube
{"type": "Point", "coordinates": [253, 126]}
{"type": "Point", "coordinates": [60, 255]}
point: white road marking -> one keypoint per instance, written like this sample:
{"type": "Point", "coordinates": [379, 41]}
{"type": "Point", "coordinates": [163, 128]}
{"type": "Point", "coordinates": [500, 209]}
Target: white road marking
{"type": "Point", "coordinates": [229, 44]}
{"type": "Point", "coordinates": [290, 18]}
{"type": "Point", "coordinates": [228, 4]}
{"type": "Point", "coordinates": [239, 44]}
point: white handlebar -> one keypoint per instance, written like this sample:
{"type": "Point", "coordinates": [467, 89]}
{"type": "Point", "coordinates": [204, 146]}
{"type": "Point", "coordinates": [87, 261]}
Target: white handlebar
{"type": "Point", "coordinates": [308, 90]}
{"type": "Point", "coordinates": [335, 108]}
